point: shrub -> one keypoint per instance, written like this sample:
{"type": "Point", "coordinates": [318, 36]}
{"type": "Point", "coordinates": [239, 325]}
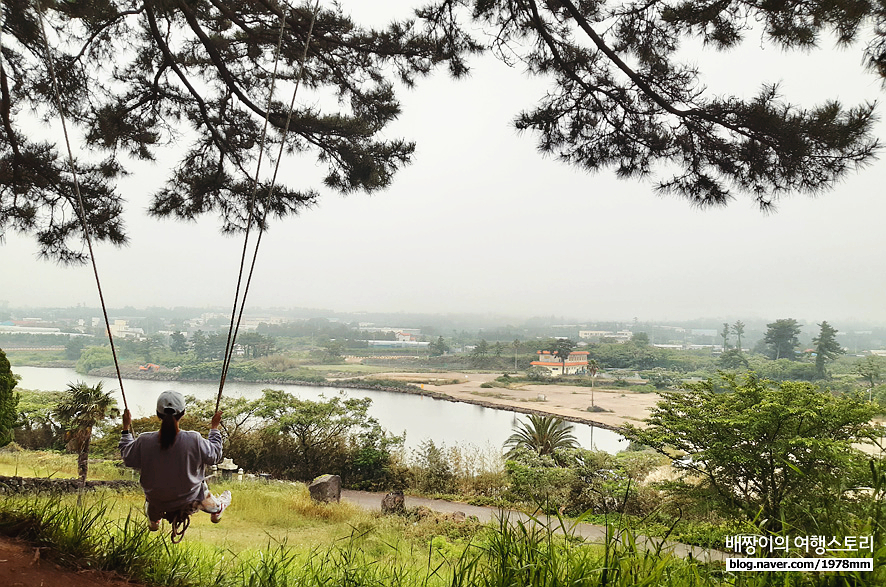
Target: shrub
{"type": "Point", "coordinates": [94, 357]}
{"type": "Point", "coordinates": [538, 480]}
{"type": "Point", "coordinates": [432, 472]}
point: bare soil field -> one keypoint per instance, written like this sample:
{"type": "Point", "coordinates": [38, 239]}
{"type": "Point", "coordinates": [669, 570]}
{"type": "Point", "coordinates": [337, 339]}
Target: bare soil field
{"type": "Point", "coordinates": [24, 565]}
{"type": "Point", "coordinates": [571, 402]}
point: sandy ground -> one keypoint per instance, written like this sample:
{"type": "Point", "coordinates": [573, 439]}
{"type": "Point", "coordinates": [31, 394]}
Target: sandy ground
{"type": "Point", "coordinates": [563, 400]}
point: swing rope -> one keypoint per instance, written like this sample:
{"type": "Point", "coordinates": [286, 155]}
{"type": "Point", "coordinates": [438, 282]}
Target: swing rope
{"type": "Point", "coordinates": [80, 208]}
{"type": "Point", "coordinates": [181, 519]}
{"type": "Point", "coordinates": [235, 323]}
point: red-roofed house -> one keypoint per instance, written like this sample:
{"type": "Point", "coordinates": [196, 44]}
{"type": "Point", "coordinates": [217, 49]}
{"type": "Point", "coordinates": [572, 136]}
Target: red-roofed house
{"type": "Point", "coordinates": [576, 363]}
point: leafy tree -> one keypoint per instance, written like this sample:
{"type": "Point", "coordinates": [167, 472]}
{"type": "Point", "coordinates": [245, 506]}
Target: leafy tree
{"type": "Point", "coordinates": [215, 345]}
{"type": "Point", "coordinates": [781, 336]}
{"type": "Point", "coordinates": [538, 479]}
{"type": "Point", "coordinates": [782, 369]}
{"type": "Point", "coordinates": [732, 359]}
{"type": "Point", "coordinates": [480, 353]}
{"type": "Point", "coordinates": [149, 347]}
{"type": "Point", "coordinates": [541, 434]}
{"type": "Point", "coordinates": [200, 346]}
{"type": "Point", "coordinates": [826, 347]}
{"type": "Point", "coordinates": [256, 345]}
{"type": "Point", "coordinates": [8, 400]}
{"type": "Point", "coordinates": [773, 450]}
{"type": "Point", "coordinates": [135, 76]}
{"type": "Point", "coordinates": [94, 357]}
{"type": "Point", "coordinates": [738, 330]}
{"type": "Point", "coordinates": [438, 347]}
{"type": "Point", "coordinates": [640, 339]}
{"type": "Point", "coordinates": [869, 368]}
{"type": "Point", "coordinates": [433, 472]}
{"type": "Point", "coordinates": [178, 343]}
{"type": "Point", "coordinates": [37, 426]}
{"type": "Point", "coordinates": [74, 347]}
{"type": "Point", "coordinates": [331, 353]}
{"type": "Point", "coordinates": [82, 408]}
{"type": "Point", "coordinates": [536, 373]}
{"type": "Point", "coordinates": [239, 415]}
{"type": "Point", "coordinates": [302, 438]}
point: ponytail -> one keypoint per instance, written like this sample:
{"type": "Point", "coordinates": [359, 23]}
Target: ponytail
{"type": "Point", "coordinates": [168, 429]}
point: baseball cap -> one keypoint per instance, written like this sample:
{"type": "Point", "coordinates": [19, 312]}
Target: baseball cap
{"type": "Point", "coordinates": [171, 400]}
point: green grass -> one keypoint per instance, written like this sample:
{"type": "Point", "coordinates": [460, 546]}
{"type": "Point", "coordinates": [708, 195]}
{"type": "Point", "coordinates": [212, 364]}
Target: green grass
{"type": "Point", "coordinates": [274, 534]}
{"type": "Point", "coordinates": [284, 539]}
{"type": "Point", "coordinates": [55, 465]}
{"type": "Point", "coordinates": [280, 512]}
{"type": "Point", "coordinates": [271, 535]}
{"type": "Point", "coordinates": [349, 368]}
{"type": "Point", "coordinates": [39, 358]}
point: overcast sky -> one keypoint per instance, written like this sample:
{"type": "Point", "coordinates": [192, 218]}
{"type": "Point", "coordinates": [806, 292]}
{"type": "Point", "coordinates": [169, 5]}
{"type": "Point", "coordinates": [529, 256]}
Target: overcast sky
{"type": "Point", "coordinates": [481, 222]}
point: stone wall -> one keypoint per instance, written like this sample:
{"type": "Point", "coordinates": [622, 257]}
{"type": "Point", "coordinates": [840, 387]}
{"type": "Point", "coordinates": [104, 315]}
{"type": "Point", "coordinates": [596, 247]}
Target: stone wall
{"type": "Point", "coordinates": [38, 485]}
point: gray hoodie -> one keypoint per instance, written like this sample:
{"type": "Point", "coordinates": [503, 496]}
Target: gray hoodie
{"type": "Point", "coordinates": [171, 478]}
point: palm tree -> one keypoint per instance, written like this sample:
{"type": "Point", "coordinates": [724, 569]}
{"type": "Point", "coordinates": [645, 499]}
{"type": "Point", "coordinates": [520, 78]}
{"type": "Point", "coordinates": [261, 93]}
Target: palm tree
{"type": "Point", "coordinates": [82, 408]}
{"type": "Point", "coordinates": [593, 367]}
{"type": "Point", "coordinates": [542, 434]}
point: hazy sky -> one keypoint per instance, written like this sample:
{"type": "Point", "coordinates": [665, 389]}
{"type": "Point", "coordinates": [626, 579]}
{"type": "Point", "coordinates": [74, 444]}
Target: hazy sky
{"type": "Point", "coordinates": [483, 223]}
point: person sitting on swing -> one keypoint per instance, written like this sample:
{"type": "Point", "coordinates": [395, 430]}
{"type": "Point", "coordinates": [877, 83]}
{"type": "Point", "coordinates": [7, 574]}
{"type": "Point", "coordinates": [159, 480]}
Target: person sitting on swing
{"type": "Point", "coordinates": [172, 464]}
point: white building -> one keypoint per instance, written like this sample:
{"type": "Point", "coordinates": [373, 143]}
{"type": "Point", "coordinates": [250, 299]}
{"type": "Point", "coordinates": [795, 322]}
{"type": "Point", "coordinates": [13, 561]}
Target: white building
{"type": "Point", "coordinates": [576, 363]}
{"type": "Point", "coordinates": [121, 329]}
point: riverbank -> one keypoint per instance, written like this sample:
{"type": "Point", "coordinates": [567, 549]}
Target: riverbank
{"type": "Point", "coordinates": [570, 402]}
{"type": "Point", "coordinates": [615, 407]}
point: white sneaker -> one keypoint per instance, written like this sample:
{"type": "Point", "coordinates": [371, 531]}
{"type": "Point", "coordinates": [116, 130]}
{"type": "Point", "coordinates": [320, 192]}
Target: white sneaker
{"type": "Point", "coordinates": [152, 525]}
{"type": "Point", "coordinates": [224, 500]}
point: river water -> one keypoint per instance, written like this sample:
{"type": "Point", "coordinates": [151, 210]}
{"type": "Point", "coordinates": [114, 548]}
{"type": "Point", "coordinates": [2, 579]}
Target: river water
{"type": "Point", "coordinates": [421, 418]}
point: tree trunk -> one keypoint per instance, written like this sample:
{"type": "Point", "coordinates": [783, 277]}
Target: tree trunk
{"type": "Point", "coordinates": [83, 458]}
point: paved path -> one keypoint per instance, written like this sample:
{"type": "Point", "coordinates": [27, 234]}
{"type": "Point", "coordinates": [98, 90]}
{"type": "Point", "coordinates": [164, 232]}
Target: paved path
{"type": "Point", "coordinates": [592, 532]}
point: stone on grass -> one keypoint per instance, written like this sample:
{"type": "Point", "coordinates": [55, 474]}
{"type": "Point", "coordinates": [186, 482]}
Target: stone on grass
{"type": "Point", "coordinates": [326, 488]}
{"type": "Point", "coordinates": [393, 503]}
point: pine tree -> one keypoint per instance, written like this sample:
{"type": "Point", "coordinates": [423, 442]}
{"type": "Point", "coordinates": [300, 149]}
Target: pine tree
{"type": "Point", "coordinates": [781, 336]}
{"type": "Point", "coordinates": [622, 99]}
{"type": "Point", "coordinates": [826, 348]}
{"type": "Point", "coordinates": [738, 329]}
{"type": "Point", "coordinates": [133, 77]}
{"type": "Point", "coordinates": [725, 335]}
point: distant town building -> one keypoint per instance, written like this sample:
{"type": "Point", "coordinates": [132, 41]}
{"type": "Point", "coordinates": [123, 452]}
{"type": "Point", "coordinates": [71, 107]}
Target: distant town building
{"type": "Point", "coordinates": [575, 364]}
{"type": "Point", "coordinates": [9, 328]}
{"type": "Point", "coordinates": [619, 336]}
{"type": "Point", "coordinates": [401, 344]}
{"type": "Point", "coordinates": [121, 329]}
{"type": "Point", "coordinates": [370, 327]}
